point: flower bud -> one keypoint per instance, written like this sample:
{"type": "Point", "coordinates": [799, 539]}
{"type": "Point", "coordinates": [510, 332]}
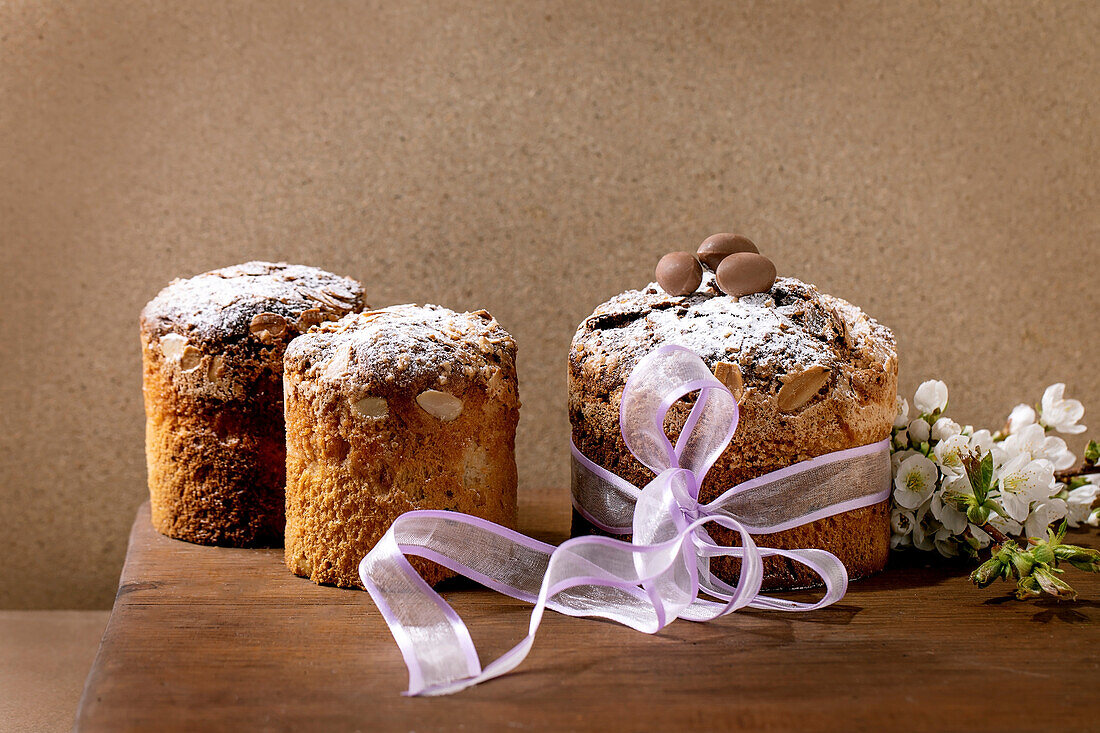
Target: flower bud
{"type": "Point", "coordinates": [1042, 553]}
{"type": "Point", "coordinates": [1022, 563]}
{"type": "Point", "coordinates": [1052, 584]}
{"type": "Point", "coordinates": [1082, 558]}
{"type": "Point", "coordinates": [979, 515]}
{"type": "Point", "coordinates": [1027, 587]}
{"type": "Point", "coordinates": [987, 572]}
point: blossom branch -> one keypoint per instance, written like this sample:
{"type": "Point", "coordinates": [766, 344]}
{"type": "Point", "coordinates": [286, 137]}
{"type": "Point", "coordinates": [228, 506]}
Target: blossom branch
{"type": "Point", "coordinates": [959, 491]}
{"type": "Point", "coordinates": [1084, 469]}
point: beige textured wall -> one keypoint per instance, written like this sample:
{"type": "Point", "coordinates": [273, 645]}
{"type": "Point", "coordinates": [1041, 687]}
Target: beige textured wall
{"type": "Point", "coordinates": [935, 163]}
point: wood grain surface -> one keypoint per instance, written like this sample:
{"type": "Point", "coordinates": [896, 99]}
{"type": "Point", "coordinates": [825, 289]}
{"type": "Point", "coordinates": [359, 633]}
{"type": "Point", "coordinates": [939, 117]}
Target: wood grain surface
{"type": "Point", "coordinates": [205, 638]}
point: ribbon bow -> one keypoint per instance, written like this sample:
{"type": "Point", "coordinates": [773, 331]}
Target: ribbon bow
{"type": "Point", "coordinates": [661, 575]}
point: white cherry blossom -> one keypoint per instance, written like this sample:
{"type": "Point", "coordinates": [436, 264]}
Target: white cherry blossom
{"type": "Point", "coordinates": [1028, 496]}
{"type": "Point", "coordinates": [899, 456]}
{"type": "Point", "coordinates": [944, 428]}
{"type": "Point", "coordinates": [1033, 442]}
{"type": "Point", "coordinates": [919, 431]}
{"type": "Point", "coordinates": [981, 441]}
{"type": "Point", "coordinates": [949, 454]}
{"type": "Point", "coordinates": [950, 517]}
{"type": "Point", "coordinates": [1007, 526]}
{"type": "Point", "coordinates": [1020, 417]}
{"type": "Point", "coordinates": [945, 542]}
{"type": "Point", "coordinates": [915, 482]}
{"type": "Point", "coordinates": [1055, 450]}
{"type": "Point", "coordinates": [1061, 414]}
{"type": "Point", "coordinates": [924, 529]}
{"type": "Point", "coordinates": [901, 521]}
{"type": "Point", "coordinates": [930, 396]}
{"type": "Point", "coordinates": [902, 417]}
{"type": "Point", "coordinates": [1022, 481]}
{"type": "Point", "coordinates": [1079, 503]}
{"type": "Point", "coordinates": [1043, 513]}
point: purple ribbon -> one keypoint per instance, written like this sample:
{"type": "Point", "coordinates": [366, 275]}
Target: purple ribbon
{"type": "Point", "coordinates": [662, 575]}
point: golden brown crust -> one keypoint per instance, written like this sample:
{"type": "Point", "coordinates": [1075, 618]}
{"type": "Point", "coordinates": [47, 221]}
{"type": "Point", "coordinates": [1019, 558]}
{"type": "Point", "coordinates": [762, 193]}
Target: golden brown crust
{"type": "Point", "coordinates": [212, 350]}
{"type": "Point", "coordinates": [215, 470]}
{"type": "Point", "coordinates": [372, 433]}
{"type": "Point", "coordinates": [854, 406]}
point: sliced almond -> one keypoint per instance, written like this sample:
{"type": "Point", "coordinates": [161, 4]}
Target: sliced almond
{"type": "Point", "coordinates": [842, 327]}
{"type": "Point", "coordinates": [442, 405]}
{"type": "Point", "coordinates": [496, 383]}
{"type": "Point", "coordinates": [172, 346]}
{"type": "Point", "coordinates": [216, 370]}
{"type": "Point", "coordinates": [190, 359]}
{"type": "Point", "coordinates": [729, 374]}
{"type": "Point", "coordinates": [267, 327]}
{"type": "Point", "coordinates": [801, 387]}
{"type": "Point", "coordinates": [371, 407]}
{"type": "Point", "coordinates": [339, 363]}
{"type": "Point", "coordinates": [339, 292]}
{"type": "Point", "coordinates": [309, 318]}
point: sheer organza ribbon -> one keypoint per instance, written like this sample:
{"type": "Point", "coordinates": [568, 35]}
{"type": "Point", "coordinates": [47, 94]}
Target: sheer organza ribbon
{"type": "Point", "coordinates": [661, 575]}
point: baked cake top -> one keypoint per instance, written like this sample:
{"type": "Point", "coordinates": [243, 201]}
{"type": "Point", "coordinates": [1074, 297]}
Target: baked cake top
{"type": "Point", "coordinates": [228, 304]}
{"type": "Point", "coordinates": [768, 336]}
{"type": "Point", "coordinates": [408, 349]}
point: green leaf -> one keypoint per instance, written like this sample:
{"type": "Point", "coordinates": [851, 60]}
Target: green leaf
{"type": "Point", "coordinates": [987, 471]}
{"type": "Point", "coordinates": [1092, 452]}
{"type": "Point", "coordinates": [1052, 584]}
{"type": "Point", "coordinates": [979, 471]}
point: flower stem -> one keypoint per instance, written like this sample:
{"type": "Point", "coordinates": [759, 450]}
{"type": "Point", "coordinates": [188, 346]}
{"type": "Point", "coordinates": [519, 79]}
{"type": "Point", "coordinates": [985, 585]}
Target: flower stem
{"type": "Point", "coordinates": [1083, 470]}
{"type": "Point", "coordinates": [998, 536]}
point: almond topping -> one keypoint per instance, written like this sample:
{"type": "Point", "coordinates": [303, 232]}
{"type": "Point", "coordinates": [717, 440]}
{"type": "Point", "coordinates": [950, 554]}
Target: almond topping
{"type": "Point", "coordinates": [801, 387]}
{"type": "Point", "coordinates": [842, 327]}
{"type": "Point", "coordinates": [729, 374]}
{"type": "Point", "coordinates": [309, 318]}
{"type": "Point", "coordinates": [267, 327]}
{"type": "Point", "coordinates": [216, 369]}
{"type": "Point", "coordinates": [172, 346]}
{"type": "Point", "coordinates": [190, 359]}
{"type": "Point", "coordinates": [442, 405]}
{"type": "Point", "coordinates": [372, 407]}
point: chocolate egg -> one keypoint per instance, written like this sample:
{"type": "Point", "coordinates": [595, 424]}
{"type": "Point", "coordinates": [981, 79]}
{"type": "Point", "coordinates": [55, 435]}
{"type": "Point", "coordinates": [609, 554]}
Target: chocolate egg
{"type": "Point", "coordinates": [679, 273]}
{"type": "Point", "coordinates": [717, 247]}
{"type": "Point", "coordinates": [743, 273]}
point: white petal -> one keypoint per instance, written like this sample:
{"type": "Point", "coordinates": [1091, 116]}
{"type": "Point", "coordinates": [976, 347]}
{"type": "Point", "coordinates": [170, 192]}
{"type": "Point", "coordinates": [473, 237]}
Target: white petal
{"type": "Point", "coordinates": [902, 418]}
{"type": "Point", "coordinates": [1021, 416]}
{"type": "Point", "coordinates": [919, 431]}
{"type": "Point", "coordinates": [930, 396]}
{"type": "Point", "coordinates": [1052, 395]}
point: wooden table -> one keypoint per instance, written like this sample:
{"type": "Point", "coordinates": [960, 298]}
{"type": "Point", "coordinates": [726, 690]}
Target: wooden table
{"type": "Point", "coordinates": [205, 638]}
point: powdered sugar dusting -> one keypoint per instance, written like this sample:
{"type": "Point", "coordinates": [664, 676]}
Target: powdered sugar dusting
{"type": "Point", "coordinates": [221, 303]}
{"type": "Point", "coordinates": [786, 330]}
{"type": "Point", "coordinates": [406, 347]}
